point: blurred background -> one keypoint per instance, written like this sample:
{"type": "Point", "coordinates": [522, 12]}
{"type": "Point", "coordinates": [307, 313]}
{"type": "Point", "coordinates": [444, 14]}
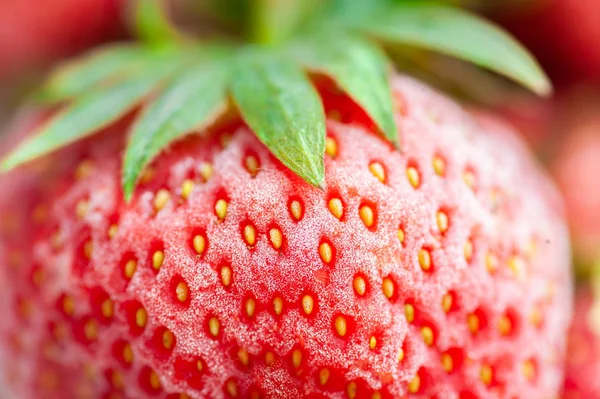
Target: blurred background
{"type": "Point", "coordinates": [563, 130]}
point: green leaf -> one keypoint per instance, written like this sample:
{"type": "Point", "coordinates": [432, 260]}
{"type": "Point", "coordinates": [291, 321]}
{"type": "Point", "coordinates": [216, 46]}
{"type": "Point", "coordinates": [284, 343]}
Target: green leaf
{"type": "Point", "coordinates": [81, 75]}
{"type": "Point", "coordinates": [361, 69]}
{"type": "Point", "coordinates": [86, 116]}
{"type": "Point", "coordinates": [192, 101]}
{"type": "Point", "coordinates": [460, 34]}
{"type": "Point", "coordinates": [151, 23]}
{"type": "Point", "coordinates": [281, 106]}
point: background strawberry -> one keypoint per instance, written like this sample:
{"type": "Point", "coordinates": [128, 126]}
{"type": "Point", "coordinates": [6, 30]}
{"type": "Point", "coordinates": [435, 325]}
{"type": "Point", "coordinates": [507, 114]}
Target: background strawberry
{"type": "Point", "coordinates": [285, 254]}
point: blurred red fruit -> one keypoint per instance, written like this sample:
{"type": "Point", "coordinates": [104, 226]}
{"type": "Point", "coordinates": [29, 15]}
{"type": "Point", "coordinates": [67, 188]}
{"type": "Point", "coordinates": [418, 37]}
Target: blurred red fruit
{"type": "Point", "coordinates": [34, 32]}
{"type": "Point", "coordinates": [563, 34]}
{"type": "Point", "coordinates": [583, 362]}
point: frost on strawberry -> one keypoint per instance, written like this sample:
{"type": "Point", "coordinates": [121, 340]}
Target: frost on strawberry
{"type": "Point", "coordinates": [440, 270]}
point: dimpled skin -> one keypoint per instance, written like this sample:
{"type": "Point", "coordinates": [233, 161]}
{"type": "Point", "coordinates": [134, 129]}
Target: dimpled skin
{"type": "Point", "coordinates": [438, 271]}
{"type": "Point", "coordinates": [583, 362]}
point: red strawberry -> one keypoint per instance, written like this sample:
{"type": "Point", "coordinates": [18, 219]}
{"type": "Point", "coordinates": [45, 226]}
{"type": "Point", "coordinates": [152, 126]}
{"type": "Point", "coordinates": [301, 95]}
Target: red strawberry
{"type": "Point", "coordinates": [564, 34]}
{"type": "Point", "coordinates": [38, 32]}
{"type": "Point", "coordinates": [439, 271]}
{"type": "Point", "coordinates": [583, 362]}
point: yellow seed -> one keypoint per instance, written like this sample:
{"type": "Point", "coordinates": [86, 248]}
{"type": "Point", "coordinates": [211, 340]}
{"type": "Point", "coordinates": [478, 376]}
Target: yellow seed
{"type": "Point", "coordinates": [372, 342]}
{"type": "Point", "coordinates": [447, 363]}
{"type": "Point", "coordinates": [107, 308]}
{"type": "Point", "coordinates": [442, 221]}
{"type": "Point", "coordinates": [336, 207]}
{"type": "Point", "coordinates": [473, 322]}
{"type": "Point", "coordinates": [401, 236]}
{"type": "Point", "coordinates": [388, 288]}
{"type": "Point", "coordinates": [250, 307]}
{"type": "Point", "coordinates": [367, 215]}
{"type": "Point", "coordinates": [409, 312]}
{"type": "Point", "coordinates": [326, 252]}
{"type": "Point", "coordinates": [469, 178]}
{"type": "Point", "coordinates": [425, 259]}
{"type": "Point", "coordinates": [468, 250]}
{"type": "Point", "coordinates": [161, 199]}
{"type": "Point", "coordinates": [528, 370]}
{"type": "Point", "coordinates": [39, 214]}
{"type": "Point", "coordinates": [400, 354]}
{"type": "Point", "coordinates": [199, 243]}
{"type": "Point", "coordinates": [414, 385]}
{"type": "Point", "coordinates": [206, 171]}
{"type": "Point", "coordinates": [250, 234]}
{"type": "Point", "coordinates": [84, 169]}
{"type": "Point", "coordinates": [214, 326]}
{"type": "Point", "coordinates": [276, 238]}
{"type": "Point", "coordinates": [68, 305]}
{"type": "Point", "coordinates": [491, 262]}
{"type": "Point", "coordinates": [516, 264]}
{"type": "Point", "coordinates": [154, 380]}
{"type": "Point", "coordinates": [296, 209]}
{"type": "Point", "coordinates": [199, 365]}
{"type": "Point", "coordinates": [323, 376]}
{"type": "Point", "coordinates": [225, 139]}
{"type": "Point", "coordinates": [221, 209]}
{"type": "Point", "coordinates": [90, 330]}
{"type": "Point", "coordinates": [535, 317]}
{"type": "Point", "coordinates": [112, 230]}
{"type": "Point", "coordinates": [486, 374]}
{"type": "Point", "coordinates": [269, 358]}
{"type": "Point", "coordinates": [186, 188]}
{"type": "Point", "coordinates": [168, 339]}
{"type": "Point", "coordinates": [447, 302]}
{"type": "Point", "coordinates": [331, 146]}
{"type": "Point", "coordinates": [278, 305]}
{"type": "Point", "coordinates": [360, 285]}
{"type": "Point", "coordinates": [157, 259]}
{"type": "Point", "coordinates": [127, 354]}
{"type": "Point", "coordinates": [226, 274]}
{"type": "Point", "coordinates": [378, 171]}
{"type": "Point", "coordinates": [428, 336]}
{"type": "Point", "coordinates": [37, 277]}
{"type": "Point", "coordinates": [232, 388]}
{"type": "Point", "coordinates": [81, 209]}
{"type": "Point", "coordinates": [130, 268]}
{"type": "Point", "coordinates": [439, 166]}
{"type": "Point", "coordinates": [307, 304]}
{"type": "Point", "coordinates": [251, 164]}
{"type": "Point", "coordinates": [376, 395]}
{"type": "Point", "coordinates": [182, 291]}
{"type": "Point", "coordinates": [296, 358]}
{"type": "Point", "coordinates": [243, 356]}
{"type": "Point", "coordinates": [351, 389]}
{"type": "Point", "coordinates": [413, 176]}
{"type": "Point", "coordinates": [341, 326]}
{"type": "Point", "coordinates": [141, 317]}
{"type": "Point", "coordinates": [505, 325]}
{"type": "Point", "coordinates": [88, 248]}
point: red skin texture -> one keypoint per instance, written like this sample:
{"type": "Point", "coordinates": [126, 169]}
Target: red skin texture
{"type": "Point", "coordinates": [583, 362]}
{"type": "Point", "coordinates": [563, 34]}
{"type": "Point", "coordinates": [33, 33]}
{"type": "Point", "coordinates": [522, 305]}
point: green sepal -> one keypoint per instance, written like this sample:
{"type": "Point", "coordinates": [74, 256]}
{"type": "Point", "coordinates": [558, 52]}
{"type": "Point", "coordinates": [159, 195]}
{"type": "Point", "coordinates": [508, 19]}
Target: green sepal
{"type": "Point", "coordinates": [361, 69]}
{"type": "Point", "coordinates": [459, 34]}
{"type": "Point", "coordinates": [281, 106]}
{"type": "Point", "coordinates": [191, 102]}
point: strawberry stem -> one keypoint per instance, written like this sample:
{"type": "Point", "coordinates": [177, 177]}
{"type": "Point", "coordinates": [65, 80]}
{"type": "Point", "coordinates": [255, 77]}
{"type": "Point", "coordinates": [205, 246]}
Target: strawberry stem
{"type": "Point", "coordinates": [151, 24]}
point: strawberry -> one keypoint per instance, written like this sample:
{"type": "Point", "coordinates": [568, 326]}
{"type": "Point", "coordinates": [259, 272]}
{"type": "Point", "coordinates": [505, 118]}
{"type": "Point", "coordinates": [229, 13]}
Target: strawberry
{"type": "Point", "coordinates": [53, 28]}
{"type": "Point", "coordinates": [396, 247]}
{"type": "Point", "coordinates": [583, 362]}
{"type": "Point", "coordinates": [568, 50]}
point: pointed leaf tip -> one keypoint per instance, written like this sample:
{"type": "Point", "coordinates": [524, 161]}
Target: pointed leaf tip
{"type": "Point", "coordinates": [281, 106]}
{"type": "Point", "coordinates": [460, 34]}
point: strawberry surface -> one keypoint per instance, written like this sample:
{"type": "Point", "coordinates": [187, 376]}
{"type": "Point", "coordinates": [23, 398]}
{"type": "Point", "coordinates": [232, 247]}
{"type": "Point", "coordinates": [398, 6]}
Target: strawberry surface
{"type": "Point", "coordinates": [583, 362]}
{"type": "Point", "coordinates": [440, 270]}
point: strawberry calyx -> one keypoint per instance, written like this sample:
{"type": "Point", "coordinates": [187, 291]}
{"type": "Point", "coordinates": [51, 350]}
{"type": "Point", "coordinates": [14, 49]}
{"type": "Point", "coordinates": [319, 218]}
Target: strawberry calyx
{"type": "Point", "coordinates": [184, 85]}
